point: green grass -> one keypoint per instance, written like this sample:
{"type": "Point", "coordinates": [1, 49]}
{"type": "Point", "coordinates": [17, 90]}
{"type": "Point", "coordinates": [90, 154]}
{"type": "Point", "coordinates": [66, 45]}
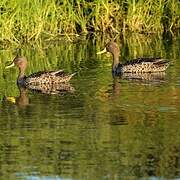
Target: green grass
{"type": "Point", "coordinates": [28, 21]}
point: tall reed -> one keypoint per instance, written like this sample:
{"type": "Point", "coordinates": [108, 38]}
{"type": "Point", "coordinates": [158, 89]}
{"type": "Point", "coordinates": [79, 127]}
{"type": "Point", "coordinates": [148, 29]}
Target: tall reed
{"type": "Point", "coordinates": [24, 21]}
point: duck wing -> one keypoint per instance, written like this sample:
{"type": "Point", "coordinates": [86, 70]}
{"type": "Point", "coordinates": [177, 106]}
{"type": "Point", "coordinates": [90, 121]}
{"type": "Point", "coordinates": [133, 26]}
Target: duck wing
{"type": "Point", "coordinates": [150, 60]}
{"type": "Point", "coordinates": [48, 77]}
{"type": "Point", "coordinates": [147, 64]}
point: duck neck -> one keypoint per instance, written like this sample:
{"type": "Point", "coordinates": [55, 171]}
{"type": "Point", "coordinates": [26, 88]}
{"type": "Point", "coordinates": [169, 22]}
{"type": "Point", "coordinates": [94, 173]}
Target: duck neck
{"type": "Point", "coordinates": [21, 75]}
{"type": "Point", "coordinates": [115, 61]}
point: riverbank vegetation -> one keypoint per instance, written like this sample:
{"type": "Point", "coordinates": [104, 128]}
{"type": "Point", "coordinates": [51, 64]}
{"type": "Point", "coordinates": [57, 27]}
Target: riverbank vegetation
{"type": "Point", "coordinates": [25, 21]}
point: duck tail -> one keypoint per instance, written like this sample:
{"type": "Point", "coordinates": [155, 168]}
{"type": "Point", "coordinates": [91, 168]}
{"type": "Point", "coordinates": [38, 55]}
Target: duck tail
{"type": "Point", "coordinates": [162, 61]}
{"type": "Point", "coordinates": [73, 74]}
{"type": "Point", "coordinates": [162, 64]}
{"type": "Point", "coordinates": [70, 76]}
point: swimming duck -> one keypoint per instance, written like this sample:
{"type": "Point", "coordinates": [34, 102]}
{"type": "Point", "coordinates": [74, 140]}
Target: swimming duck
{"type": "Point", "coordinates": [139, 65]}
{"type": "Point", "coordinates": [49, 78]}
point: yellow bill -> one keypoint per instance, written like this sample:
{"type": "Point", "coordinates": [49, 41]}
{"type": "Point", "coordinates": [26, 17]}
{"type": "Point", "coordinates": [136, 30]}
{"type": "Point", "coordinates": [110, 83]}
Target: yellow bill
{"type": "Point", "coordinates": [103, 51]}
{"type": "Point", "coordinates": [11, 65]}
{"type": "Point", "coordinates": [11, 99]}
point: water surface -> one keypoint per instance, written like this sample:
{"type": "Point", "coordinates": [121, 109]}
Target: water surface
{"type": "Point", "coordinates": [107, 129]}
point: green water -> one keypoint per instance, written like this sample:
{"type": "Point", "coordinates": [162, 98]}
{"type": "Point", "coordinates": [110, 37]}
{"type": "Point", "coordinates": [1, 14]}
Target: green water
{"type": "Point", "coordinates": [107, 129]}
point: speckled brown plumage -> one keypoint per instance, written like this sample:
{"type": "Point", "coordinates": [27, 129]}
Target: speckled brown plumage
{"type": "Point", "coordinates": [143, 65]}
{"type": "Point", "coordinates": [139, 65]}
{"type": "Point", "coordinates": [38, 79]}
{"type": "Point", "coordinates": [48, 78]}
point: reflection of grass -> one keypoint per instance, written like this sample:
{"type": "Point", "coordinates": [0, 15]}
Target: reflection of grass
{"type": "Point", "coordinates": [25, 21]}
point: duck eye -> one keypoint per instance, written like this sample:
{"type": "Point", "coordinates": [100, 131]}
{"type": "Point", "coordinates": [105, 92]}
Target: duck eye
{"type": "Point", "coordinates": [20, 63]}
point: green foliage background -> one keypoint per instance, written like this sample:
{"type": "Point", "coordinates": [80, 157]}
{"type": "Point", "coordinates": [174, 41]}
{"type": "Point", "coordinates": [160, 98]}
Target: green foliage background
{"type": "Point", "coordinates": [29, 20]}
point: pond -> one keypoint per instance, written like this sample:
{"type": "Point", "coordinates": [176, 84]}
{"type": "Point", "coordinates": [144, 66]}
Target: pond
{"type": "Point", "coordinates": [107, 128]}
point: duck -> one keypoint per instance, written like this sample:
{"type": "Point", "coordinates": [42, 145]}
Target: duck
{"type": "Point", "coordinates": [139, 65]}
{"type": "Point", "coordinates": [41, 78]}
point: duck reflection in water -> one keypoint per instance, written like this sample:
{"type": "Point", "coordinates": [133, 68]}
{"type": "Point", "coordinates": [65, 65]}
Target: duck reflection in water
{"type": "Point", "coordinates": [23, 100]}
{"type": "Point", "coordinates": [140, 78]}
{"type": "Point", "coordinates": [149, 78]}
{"type": "Point", "coordinates": [114, 93]}
{"type": "Point", "coordinates": [56, 89]}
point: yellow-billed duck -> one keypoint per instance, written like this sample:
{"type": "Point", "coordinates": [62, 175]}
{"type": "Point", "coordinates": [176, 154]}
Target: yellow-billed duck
{"type": "Point", "coordinates": [139, 65]}
{"type": "Point", "coordinates": [39, 78]}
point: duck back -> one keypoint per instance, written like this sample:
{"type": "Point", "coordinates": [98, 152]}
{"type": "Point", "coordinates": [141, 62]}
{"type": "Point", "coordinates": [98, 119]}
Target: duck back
{"type": "Point", "coordinates": [145, 65]}
{"type": "Point", "coordinates": [48, 78]}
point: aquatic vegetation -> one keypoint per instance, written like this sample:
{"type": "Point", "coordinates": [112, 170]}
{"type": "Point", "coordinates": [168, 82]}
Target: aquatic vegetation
{"type": "Point", "coordinates": [26, 21]}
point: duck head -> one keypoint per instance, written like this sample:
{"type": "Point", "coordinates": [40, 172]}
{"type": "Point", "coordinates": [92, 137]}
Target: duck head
{"type": "Point", "coordinates": [111, 47]}
{"type": "Point", "coordinates": [20, 62]}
